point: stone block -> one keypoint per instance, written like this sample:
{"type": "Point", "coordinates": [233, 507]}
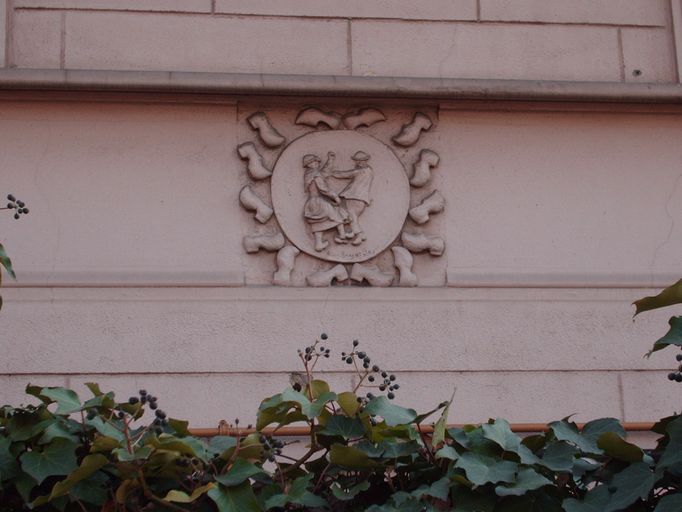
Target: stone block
{"type": "Point", "coordinates": [36, 39]}
{"type": "Point", "coordinates": [3, 31]}
{"type": "Point", "coordinates": [184, 329]}
{"type": "Point", "coordinates": [404, 9]}
{"type": "Point", "coordinates": [122, 194]}
{"type": "Point", "coordinates": [539, 186]}
{"type": "Point", "coordinates": [193, 43]}
{"type": "Point", "coordinates": [648, 55]}
{"type": "Point", "coordinates": [649, 396]}
{"type": "Point", "coordinates": [542, 52]}
{"type": "Point", "coordinates": [616, 12]}
{"type": "Point", "coordinates": [120, 5]}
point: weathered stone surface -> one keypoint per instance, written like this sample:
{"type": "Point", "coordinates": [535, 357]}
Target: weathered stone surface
{"type": "Point", "coordinates": [404, 9]}
{"type": "Point", "coordinates": [618, 12]}
{"type": "Point", "coordinates": [36, 39]}
{"type": "Point", "coordinates": [648, 55]}
{"type": "Point", "coordinates": [399, 48]}
{"type": "Point", "coordinates": [105, 40]}
{"type": "Point", "coordinates": [122, 5]}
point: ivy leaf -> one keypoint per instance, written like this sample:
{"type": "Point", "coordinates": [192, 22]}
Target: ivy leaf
{"type": "Point", "coordinates": [596, 500]}
{"type": "Point", "coordinates": [220, 444]}
{"type": "Point", "coordinates": [615, 446]}
{"type": "Point", "coordinates": [351, 458]}
{"type": "Point", "coordinates": [670, 503]}
{"type": "Point", "coordinates": [298, 494]}
{"type": "Point", "coordinates": [595, 428]}
{"type": "Point", "coordinates": [439, 428]}
{"type": "Point", "coordinates": [6, 262]}
{"type": "Point", "coordinates": [348, 428]}
{"type": "Point", "coordinates": [633, 483]}
{"type": "Point", "coordinates": [527, 480]}
{"type": "Point", "coordinates": [67, 400]}
{"type": "Point", "coordinates": [500, 432]}
{"type": "Point", "coordinates": [9, 467]}
{"type": "Point", "coordinates": [89, 465]}
{"type": "Point", "coordinates": [672, 337]}
{"type": "Point", "coordinates": [392, 414]}
{"type": "Point", "coordinates": [234, 499]}
{"type": "Point", "coordinates": [667, 297]}
{"type": "Point", "coordinates": [559, 456]}
{"type": "Point", "coordinates": [240, 471]}
{"type": "Point", "coordinates": [672, 455]}
{"type": "Point", "coordinates": [447, 452]}
{"type": "Point", "coordinates": [481, 469]}
{"type": "Point", "coordinates": [348, 401]}
{"type": "Point", "coordinates": [565, 431]}
{"type": "Point", "coordinates": [182, 497]}
{"type": "Point", "coordinates": [351, 492]}
{"type": "Point", "coordinates": [56, 459]}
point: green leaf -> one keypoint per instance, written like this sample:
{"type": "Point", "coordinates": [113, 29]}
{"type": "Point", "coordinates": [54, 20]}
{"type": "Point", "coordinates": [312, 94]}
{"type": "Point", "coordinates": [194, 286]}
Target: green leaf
{"type": "Point", "coordinates": [465, 500]}
{"type": "Point", "coordinates": [89, 465]}
{"type": "Point", "coordinates": [6, 262]}
{"type": "Point", "coordinates": [298, 495]}
{"type": "Point", "coordinates": [672, 337]}
{"type": "Point", "coordinates": [527, 480]}
{"type": "Point", "coordinates": [105, 428]}
{"type": "Point", "coordinates": [93, 490]}
{"type": "Point", "coordinates": [56, 459]}
{"type": "Point", "coordinates": [348, 402]}
{"type": "Point", "coordinates": [596, 500]}
{"type": "Point", "coordinates": [351, 458]}
{"type": "Point", "coordinates": [9, 467]}
{"type": "Point", "coordinates": [595, 428]}
{"type": "Point", "coordinates": [67, 400]}
{"type": "Point", "coordinates": [104, 444]}
{"type": "Point", "coordinates": [667, 297]}
{"type": "Point", "coordinates": [615, 446]}
{"type": "Point", "coordinates": [447, 452]}
{"type": "Point", "coordinates": [439, 428]}
{"type": "Point", "coordinates": [182, 497]}
{"type": "Point", "coordinates": [500, 432]}
{"type": "Point", "coordinates": [559, 456]}
{"type": "Point", "coordinates": [633, 483]}
{"type": "Point", "coordinates": [240, 471]}
{"type": "Point", "coordinates": [672, 454]}
{"type": "Point", "coordinates": [670, 503]}
{"type": "Point", "coordinates": [319, 388]}
{"type": "Point", "coordinates": [351, 492]}
{"type": "Point", "coordinates": [565, 431]}
{"type": "Point", "coordinates": [220, 444]}
{"type": "Point", "coordinates": [392, 414]}
{"type": "Point", "coordinates": [234, 499]}
{"type": "Point", "coordinates": [481, 469]}
{"type": "Point", "coordinates": [56, 430]}
{"type": "Point", "coordinates": [343, 426]}
{"type": "Point", "coordinates": [139, 453]}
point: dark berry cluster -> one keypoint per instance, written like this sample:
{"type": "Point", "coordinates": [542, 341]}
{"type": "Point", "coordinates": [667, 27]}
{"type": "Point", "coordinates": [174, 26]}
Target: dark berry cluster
{"type": "Point", "coordinates": [16, 204]}
{"type": "Point", "coordinates": [312, 353]}
{"type": "Point", "coordinates": [271, 447]}
{"type": "Point", "coordinates": [161, 419]}
{"type": "Point", "coordinates": [677, 375]}
{"type": "Point", "coordinates": [378, 378]}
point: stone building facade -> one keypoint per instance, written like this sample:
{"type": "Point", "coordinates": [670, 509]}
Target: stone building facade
{"type": "Point", "coordinates": [476, 189]}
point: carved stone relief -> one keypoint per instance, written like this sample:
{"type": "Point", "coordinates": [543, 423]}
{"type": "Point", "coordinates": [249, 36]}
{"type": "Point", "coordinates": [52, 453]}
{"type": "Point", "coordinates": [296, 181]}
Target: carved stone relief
{"type": "Point", "coordinates": [339, 194]}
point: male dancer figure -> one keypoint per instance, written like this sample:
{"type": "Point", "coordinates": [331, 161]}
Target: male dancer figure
{"type": "Point", "coordinates": [357, 193]}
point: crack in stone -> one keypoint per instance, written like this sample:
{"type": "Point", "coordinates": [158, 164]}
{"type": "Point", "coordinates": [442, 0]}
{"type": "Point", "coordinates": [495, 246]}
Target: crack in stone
{"type": "Point", "coordinates": [671, 228]}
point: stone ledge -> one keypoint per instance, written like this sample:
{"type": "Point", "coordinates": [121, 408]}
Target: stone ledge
{"type": "Point", "coordinates": [336, 86]}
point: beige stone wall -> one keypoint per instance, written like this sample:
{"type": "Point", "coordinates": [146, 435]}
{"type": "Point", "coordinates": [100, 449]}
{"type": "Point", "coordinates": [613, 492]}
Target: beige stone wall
{"type": "Point", "coordinates": [605, 40]}
{"type": "Point", "coordinates": [132, 269]}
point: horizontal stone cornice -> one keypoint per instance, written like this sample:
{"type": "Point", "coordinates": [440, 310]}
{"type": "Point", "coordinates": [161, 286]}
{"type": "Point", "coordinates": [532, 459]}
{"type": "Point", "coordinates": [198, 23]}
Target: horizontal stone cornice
{"type": "Point", "coordinates": [336, 86]}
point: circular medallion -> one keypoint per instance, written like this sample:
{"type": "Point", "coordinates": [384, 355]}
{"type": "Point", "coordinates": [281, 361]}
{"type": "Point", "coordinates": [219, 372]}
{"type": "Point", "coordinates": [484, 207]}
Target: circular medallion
{"type": "Point", "coordinates": [340, 196]}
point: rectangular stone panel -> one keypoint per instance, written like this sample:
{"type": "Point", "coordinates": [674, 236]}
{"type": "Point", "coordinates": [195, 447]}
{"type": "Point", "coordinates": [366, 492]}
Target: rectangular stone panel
{"type": "Point", "coordinates": [543, 52]}
{"type": "Point", "coordinates": [3, 31]}
{"type": "Point", "coordinates": [123, 194]}
{"type": "Point", "coordinates": [648, 55]}
{"type": "Point", "coordinates": [79, 330]}
{"type": "Point", "coordinates": [650, 395]}
{"type": "Point", "coordinates": [206, 399]}
{"type": "Point", "coordinates": [120, 5]}
{"type": "Point", "coordinates": [105, 40]}
{"type": "Point", "coordinates": [549, 199]}
{"type": "Point", "coordinates": [36, 39]}
{"type": "Point", "coordinates": [406, 9]}
{"type": "Point", "coordinates": [616, 12]}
